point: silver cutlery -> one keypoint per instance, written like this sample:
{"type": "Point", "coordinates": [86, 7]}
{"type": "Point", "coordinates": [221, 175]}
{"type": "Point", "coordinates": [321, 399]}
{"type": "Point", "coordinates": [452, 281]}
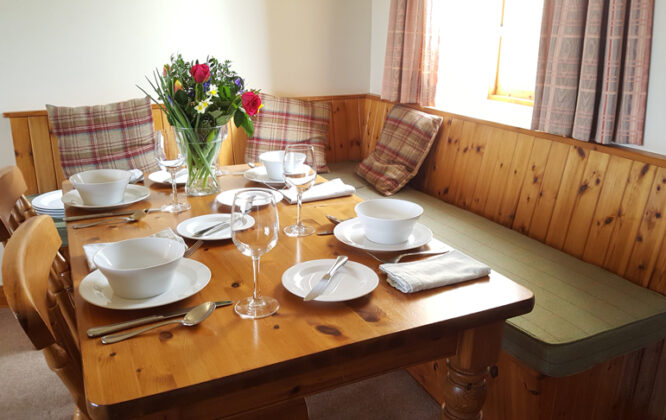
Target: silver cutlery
{"type": "Point", "coordinates": [195, 316]}
{"type": "Point", "coordinates": [134, 217]}
{"type": "Point", "coordinates": [106, 214]}
{"type": "Point", "coordinates": [397, 259]}
{"type": "Point", "coordinates": [324, 282]}
{"type": "Point", "coordinates": [106, 329]}
{"type": "Point", "coordinates": [212, 229]}
{"type": "Point", "coordinates": [189, 251]}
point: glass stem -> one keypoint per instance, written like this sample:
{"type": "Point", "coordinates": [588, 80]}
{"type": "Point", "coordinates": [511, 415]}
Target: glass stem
{"type": "Point", "coordinates": [298, 209]}
{"type": "Point", "coordinates": [174, 193]}
{"type": "Point", "coordinates": [255, 271]}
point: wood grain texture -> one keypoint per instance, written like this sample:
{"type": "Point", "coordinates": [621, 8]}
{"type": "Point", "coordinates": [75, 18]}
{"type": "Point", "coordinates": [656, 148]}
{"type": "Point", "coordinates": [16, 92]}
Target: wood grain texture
{"type": "Point", "coordinates": [487, 168]}
{"type": "Point", "coordinates": [627, 387]}
{"type": "Point", "coordinates": [305, 348]}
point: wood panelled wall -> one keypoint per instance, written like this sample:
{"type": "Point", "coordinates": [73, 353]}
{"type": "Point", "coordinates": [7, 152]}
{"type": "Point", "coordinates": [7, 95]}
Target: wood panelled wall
{"type": "Point", "coordinates": [604, 205]}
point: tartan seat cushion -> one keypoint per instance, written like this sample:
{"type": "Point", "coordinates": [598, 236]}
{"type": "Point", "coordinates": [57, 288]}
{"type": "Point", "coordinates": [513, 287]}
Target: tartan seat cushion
{"type": "Point", "coordinates": [402, 147]}
{"type": "Point", "coordinates": [117, 135]}
{"type": "Point", "coordinates": [285, 121]}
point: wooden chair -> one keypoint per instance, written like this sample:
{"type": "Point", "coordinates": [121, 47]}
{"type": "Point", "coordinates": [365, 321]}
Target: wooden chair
{"type": "Point", "coordinates": [15, 209]}
{"type": "Point", "coordinates": [31, 273]}
{"type": "Point", "coordinates": [14, 206]}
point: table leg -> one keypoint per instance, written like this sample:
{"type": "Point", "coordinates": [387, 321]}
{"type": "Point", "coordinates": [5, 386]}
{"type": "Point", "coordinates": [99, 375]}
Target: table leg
{"type": "Point", "coordinates": [465, 384]}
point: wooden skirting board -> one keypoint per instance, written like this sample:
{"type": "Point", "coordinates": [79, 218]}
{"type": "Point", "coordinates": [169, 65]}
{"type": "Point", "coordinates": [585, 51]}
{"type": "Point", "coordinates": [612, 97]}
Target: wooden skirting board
{"type": "Point", "coordinates": [602, 204]}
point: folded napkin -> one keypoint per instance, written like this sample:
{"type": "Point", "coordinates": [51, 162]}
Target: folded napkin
{"type": "Point", "coordinates": [330, 189]}
{"type": "Point", "coordinates": [442, 270]}
{"type": "Point", "coordinates": [136, 175]}
{"type": "Point", "coordinates": [92, 249]}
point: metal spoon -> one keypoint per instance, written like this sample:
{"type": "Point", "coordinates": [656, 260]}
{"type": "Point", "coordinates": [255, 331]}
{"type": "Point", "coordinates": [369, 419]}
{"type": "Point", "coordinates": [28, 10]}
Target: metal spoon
{"type": "Point", "coordinates": [139, 214]}
{"type": "Point", "coordinates": [192, 318]}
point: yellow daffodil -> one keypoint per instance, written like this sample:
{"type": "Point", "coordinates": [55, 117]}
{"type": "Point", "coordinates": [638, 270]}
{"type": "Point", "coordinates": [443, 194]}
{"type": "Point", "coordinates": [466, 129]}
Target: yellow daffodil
{"type": "Point", "coordinates": [201, 106]}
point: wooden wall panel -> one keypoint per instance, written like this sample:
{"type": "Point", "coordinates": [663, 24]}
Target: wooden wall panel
{"type": "Point", "coordinates": [550, 188]}
{"type": "Point", "coordinates": [514, 182]}
{"type": "Point", "coordinates": [573, 172]}
{"type": "Point", "coordinates": [449, 156]}
{"type": "Point", "coordinates": [585, 203]}
{"type": "Point", "coordinates": [477, 148]}
{"type": "Point", "coordinates": [501, 174]}
{"type": "Point", "coordinates": [529, 192]}
{"type": "Point", "coordinates": [650, 237]}
{"type": "Point", "coordinates": [605, 216]}
{"type": "Point", "coordinates": [23, 152]}
{"type": "Point", "coordinates": [486, 171]}
{"type": "Point", "coordinates": [42, 153]}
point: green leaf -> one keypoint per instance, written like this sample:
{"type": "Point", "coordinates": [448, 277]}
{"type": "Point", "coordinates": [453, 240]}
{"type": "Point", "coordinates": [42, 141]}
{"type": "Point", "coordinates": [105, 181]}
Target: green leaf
{"type": "Point", "coordinates": [239, 118]}
{"type": "Point", "coordinates": [248, 127]}
{"type": "Point", "coordinates": [223, 120]}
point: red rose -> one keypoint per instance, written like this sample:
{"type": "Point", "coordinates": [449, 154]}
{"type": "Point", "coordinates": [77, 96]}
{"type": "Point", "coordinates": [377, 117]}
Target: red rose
{"type": "Point", "coordinates": [200, 72]}
{"type": "Point", "coordinates": [251, 102]}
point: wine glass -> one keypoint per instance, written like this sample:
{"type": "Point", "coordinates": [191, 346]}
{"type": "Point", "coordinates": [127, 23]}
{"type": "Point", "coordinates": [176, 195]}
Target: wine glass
{"type": "Point", "coordinates": [300, 172]}
{"type": "Point", "coordinates": [166, 160]}
{"type": "Point", "coordinates": [254, 231]}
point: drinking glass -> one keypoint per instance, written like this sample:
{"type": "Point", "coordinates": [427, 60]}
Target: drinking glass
{"type": "Point", "coordinates": [300, 172]}
{"type": "Point", "coordinates": [170, 160]}
{"type": "Point", "coordinates": [254, 231]}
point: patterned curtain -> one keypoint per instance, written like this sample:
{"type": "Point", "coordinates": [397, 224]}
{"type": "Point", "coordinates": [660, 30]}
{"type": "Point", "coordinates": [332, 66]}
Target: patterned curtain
{"type": "Point", "coordinates": [593, 69]}
{"type": "Point", "coordinates": [412, 53]}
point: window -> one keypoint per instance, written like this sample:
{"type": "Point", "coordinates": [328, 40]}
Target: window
{"type": "Point", "coordinates": [471, 64]}
{"type": "Point", "coordinates": [518, 49]}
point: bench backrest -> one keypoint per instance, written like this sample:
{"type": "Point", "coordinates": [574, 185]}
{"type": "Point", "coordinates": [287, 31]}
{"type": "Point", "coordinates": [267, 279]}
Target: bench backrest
{"type": "Point", "coordinates": [602, 204]}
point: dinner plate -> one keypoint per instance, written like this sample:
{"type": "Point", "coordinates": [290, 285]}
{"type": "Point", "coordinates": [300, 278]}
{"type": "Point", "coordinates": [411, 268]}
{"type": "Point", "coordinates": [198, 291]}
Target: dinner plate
{"type": "Point", "coordinates": [50, 202]}
{"type": "Point", "coordinates": [351, 232]}
{"type": "Point", "coordinates": [351, 281]}
{"type": "Point", "coordinates": [190, 277]}
{"type": "Point", "coordinates": [186, 228]}
{"type": "Point", "coordinates": [164, 177]}
{"type": "Point", "coordinates": [133, 193]}
{"type": "Point", "coordinates": [227, 197]}
{"type": "Point", "coordinates": [259, 174]}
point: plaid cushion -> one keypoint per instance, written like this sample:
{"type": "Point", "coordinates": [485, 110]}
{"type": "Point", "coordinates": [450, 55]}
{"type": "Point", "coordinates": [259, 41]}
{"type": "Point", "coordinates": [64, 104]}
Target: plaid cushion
{"type": "Point", "coordinates": [284, 121]}
{"type": "Point", "coordinates": [118, 135]}
{"type": "Point", "coordinates": [405, 140]}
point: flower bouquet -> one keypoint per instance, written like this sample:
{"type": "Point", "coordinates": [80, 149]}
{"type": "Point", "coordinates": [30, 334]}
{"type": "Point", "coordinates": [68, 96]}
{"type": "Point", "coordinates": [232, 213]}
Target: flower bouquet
{"type": "Point", "coordinates": [199, 100]}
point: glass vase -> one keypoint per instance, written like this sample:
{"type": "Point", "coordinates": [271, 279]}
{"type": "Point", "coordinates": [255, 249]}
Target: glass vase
{"type": "Point", "coordinates": [202, 151]}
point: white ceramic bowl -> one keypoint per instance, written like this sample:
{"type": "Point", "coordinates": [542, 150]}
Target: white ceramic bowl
{"type": "Point", "coordinates": [272, 161]}
{"type": "Point", "coordinates": [101, 187]}
{"type": "Point", "coordinates": [388, 220]}
{"type": "Point", "coordinates": [140, 268]}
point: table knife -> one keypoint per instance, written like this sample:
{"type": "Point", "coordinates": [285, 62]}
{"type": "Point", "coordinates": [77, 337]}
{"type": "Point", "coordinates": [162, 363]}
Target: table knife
{"type": "Point", "coordinates": [323, 283]}
{"type": "Point", "coordinates": [97, 331]}
{"type": "Point", "coordinates": [107, 214]}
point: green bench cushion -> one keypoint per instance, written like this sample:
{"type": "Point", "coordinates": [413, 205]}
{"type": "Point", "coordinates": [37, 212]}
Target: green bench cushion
{"type": "Point", "coordinates": [583, 314]}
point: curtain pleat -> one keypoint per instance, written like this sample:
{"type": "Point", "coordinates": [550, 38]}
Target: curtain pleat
{"type": "Point", "coordinates": [593, 69]}
{"type": "Point", "coordinates": [412, 54]}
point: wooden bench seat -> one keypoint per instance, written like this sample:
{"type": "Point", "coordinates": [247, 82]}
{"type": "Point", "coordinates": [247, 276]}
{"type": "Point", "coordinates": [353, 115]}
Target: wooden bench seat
{"type": "Point", "coordinates": [583, 314]}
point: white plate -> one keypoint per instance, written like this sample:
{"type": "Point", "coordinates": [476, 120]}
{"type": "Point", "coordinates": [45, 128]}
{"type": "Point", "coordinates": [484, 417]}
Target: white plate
{"type": "Point", "coordinates": [227, 197]}
{"type": "Point", "coordinates": [351, 233]}
{"type": "Point", "coordinates": [133, 193]}
{"type": "Point", "coordinates": [49, 202]}
{"type": "Point", "coordinates": [190, 277]}
{"type": "Point", "coordinates": [164, 177]}
{"type": "Point", "coordinates": [186, 228]}
{"type": "Point", "coordinates": [351, 281]}
{"type": "Point", "coordinates": [259, 174]}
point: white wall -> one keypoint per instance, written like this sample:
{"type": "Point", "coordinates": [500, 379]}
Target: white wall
{"type": "Point", "coordinates": [78, 52]}
{"type": "Point", "coordinates": [463, 64]}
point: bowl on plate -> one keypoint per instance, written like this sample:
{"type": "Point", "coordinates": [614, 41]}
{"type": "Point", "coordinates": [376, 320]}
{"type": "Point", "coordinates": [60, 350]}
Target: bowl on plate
{"type": "Point", "coordinates": [101, 187]}
{"type": "Point", "coordinates": [140, 268]}
{"type": "Point", "coordinates": [272, 161]}
{"type": "Point", "coordinates": [388, 220]}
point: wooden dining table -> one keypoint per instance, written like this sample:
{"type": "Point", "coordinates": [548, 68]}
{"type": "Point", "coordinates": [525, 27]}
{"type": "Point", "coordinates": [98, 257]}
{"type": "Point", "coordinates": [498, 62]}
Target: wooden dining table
{"type": "Point", "coordinates": [239, 368]}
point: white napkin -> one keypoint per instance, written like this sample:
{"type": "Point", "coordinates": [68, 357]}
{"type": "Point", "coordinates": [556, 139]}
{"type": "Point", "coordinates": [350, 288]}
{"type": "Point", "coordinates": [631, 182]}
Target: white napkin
{"type": "Point", "coordinates": [330, 189]}
{"type": "Point", "coordinates": [442, 270]}
{"type": "Point", "coordinates": [92, 249]}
